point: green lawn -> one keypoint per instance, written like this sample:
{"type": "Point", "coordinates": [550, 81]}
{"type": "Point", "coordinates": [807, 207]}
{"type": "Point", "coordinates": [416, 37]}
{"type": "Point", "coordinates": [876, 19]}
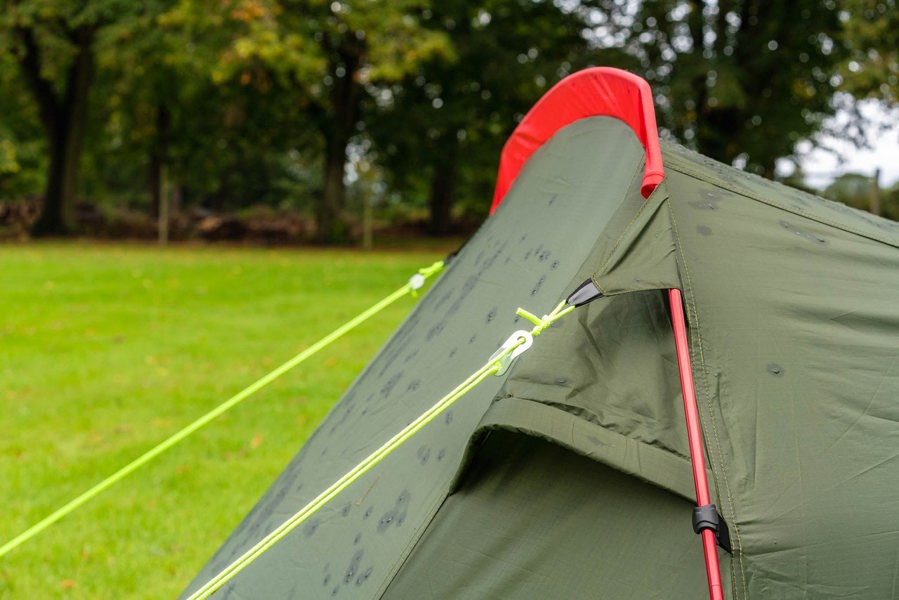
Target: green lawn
{"type": "Point", "coordinates": [108, 349]}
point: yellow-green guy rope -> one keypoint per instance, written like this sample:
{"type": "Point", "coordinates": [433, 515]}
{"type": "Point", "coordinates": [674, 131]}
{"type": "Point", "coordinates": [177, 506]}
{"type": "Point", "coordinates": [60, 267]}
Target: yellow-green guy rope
{"type": "Point", "coordinates": [415, 283]}
{"type": "Point", "coordinates": [497, 364]}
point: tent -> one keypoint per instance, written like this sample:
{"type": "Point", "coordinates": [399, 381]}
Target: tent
{"type": "Point", "coordinates": [569, 476]}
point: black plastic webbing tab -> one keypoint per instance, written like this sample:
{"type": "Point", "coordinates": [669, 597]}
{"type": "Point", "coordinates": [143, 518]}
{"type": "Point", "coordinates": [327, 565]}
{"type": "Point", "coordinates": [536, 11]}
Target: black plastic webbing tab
{"type": "Point", "coordinates": [585, 293]}
{"type": "Point", "coordinates": [708, 517]}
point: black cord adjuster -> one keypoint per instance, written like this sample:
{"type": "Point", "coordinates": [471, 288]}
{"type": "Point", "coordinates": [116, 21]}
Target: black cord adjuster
{"type": "Point", "coordinates": [707, 517]}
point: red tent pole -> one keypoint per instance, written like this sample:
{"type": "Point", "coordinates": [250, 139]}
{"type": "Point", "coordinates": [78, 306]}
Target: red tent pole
{"type": "Point", "coordinates": [694, 436]}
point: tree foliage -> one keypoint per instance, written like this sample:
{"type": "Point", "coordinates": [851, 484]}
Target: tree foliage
{"type": "Point", "coordinates": [280, 102]}
{"type": "Point", "coordinates": [871, 34]}
{"type": "Point", "coordinates": [439, 131]}
{"type": "Point", "coordinates": [54, 46]}
{"type": "Point", "coordinates": [737, 80]}
{"type": "Point", "coordinates": [327, 56]}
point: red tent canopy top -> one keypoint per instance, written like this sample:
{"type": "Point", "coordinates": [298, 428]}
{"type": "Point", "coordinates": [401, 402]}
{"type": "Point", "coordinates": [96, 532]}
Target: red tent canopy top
{"type": "Point", "coordinates": [600, 91]}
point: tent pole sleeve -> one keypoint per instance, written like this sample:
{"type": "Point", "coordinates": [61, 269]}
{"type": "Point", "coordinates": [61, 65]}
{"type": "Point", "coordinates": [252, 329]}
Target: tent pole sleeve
{"type": "Point", "coordinates": [694, 437]}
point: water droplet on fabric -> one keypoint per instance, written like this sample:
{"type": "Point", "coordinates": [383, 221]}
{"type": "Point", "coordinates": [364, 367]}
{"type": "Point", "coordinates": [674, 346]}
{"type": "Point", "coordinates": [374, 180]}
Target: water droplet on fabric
{"type": "Point", "coordinates": [310, 528]}
{"type": "Point", "coordinates": [711, 204]}
{"type": "Point", "coordinates": [386, 520]}
{"type": "Point", "coordinates": [353, 567]}
{"type": "Point", "coordinates": [775, 369]}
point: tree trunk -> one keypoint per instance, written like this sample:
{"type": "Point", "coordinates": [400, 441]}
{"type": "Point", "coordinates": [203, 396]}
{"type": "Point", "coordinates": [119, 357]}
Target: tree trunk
{"type": "Point", "coordinates": [64, 117]}
{"type": "Point", "coordinates": [442, 195]}
{"type": "Point", "coordinates": [338, 126]}
{"type": "Point", "coordinates": [159, 158]}
{"type": "Point", "coordinates": [876, 207]}
{"type": "Point", "coordinates": [329, 225]}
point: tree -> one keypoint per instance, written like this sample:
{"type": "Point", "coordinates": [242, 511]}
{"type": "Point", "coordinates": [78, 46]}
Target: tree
{"type": "Point", "coordinates": [739, 80]}
{"type": "Point", "coordinates": [440, 130]}
{"type": "Point", "coordinates": [327, 54]}
{"type": "Point", "coordinates": [175, 105]}
{"type": "Point", "coordinates": [54, 44]}
{"type": "Point", "coordinates": [872, 37]}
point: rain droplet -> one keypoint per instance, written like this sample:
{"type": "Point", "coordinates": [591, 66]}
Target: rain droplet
{"type": "Point", "coordinates": [386, 520]}
{"type": "Point", "coordinates": [310, 528]}
{"type": "Point", "coordinates": [353, 568]}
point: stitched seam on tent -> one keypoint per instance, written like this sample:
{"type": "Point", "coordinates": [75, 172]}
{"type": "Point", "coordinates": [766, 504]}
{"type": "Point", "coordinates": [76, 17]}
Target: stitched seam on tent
{"type": "Point", "coordinates": [811, 217]}
{"type": "Point", "coordinates": [708, 395]}
{"type": "Point", "coordinates": [722, 462]}
{"type": "Point", "coordinates": [625, 230]}
{"type": "Point", "coordinates": [697, 329]}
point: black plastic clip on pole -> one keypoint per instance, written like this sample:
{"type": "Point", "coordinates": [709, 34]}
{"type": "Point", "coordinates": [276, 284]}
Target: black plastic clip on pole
{"type": "Point", "coordinates": [707, 517]}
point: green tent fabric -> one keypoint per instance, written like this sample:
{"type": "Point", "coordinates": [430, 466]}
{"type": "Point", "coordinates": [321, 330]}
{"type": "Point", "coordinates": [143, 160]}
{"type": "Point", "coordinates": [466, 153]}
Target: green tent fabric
{"type": "Point", "coordinates": [569, 476]}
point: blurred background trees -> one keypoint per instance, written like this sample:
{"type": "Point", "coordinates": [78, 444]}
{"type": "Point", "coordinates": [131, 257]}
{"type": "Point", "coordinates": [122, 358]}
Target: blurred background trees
{"type": "Point", "coordinates": [122, 109]}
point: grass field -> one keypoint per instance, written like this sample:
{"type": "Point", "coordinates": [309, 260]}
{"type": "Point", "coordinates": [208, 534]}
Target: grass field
{"type": "Point", "coordinates": [109, 349]}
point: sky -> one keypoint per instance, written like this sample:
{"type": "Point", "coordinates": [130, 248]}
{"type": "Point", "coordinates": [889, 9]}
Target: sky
{"type": "Point", "coordinates": [821, 167]}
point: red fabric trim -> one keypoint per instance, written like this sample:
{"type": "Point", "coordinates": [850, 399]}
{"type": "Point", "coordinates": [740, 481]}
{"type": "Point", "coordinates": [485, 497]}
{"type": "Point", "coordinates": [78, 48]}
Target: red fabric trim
{"type": "Point", "coordinates": [599, 91]}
